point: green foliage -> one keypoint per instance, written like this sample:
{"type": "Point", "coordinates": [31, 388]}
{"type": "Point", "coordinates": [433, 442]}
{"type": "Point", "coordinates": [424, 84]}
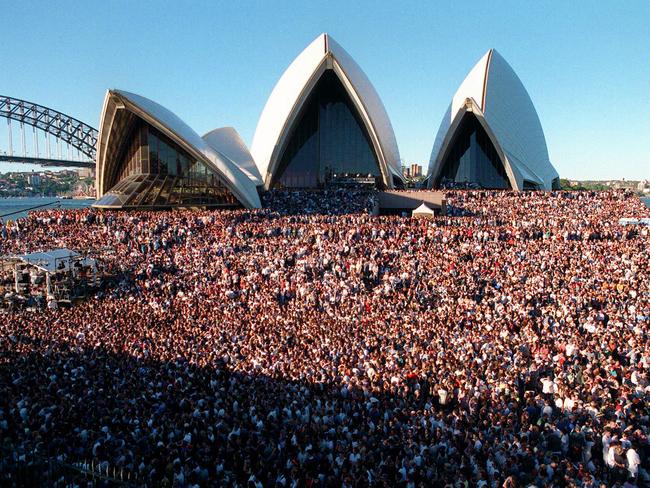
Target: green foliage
{"type": "Point", "coordinates": [582, 185]}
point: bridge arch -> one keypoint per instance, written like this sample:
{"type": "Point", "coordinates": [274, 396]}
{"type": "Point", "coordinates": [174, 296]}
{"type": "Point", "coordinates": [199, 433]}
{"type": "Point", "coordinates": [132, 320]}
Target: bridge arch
{"type": "Point", "coordinates": [74, 132]}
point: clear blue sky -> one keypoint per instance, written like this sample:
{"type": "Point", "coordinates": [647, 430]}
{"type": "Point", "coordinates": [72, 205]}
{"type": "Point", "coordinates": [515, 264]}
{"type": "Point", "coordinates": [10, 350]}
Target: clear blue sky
{"type": "Point", "coordinates": [585, 64]}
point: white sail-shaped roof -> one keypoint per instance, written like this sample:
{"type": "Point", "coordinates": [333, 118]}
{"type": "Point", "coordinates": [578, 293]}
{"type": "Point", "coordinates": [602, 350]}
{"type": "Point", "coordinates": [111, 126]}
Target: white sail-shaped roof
{"type": "Point", "coordinates": [227, 141]}
{"type": "Point", "coordinates": [119, 104]}
{"type": "Point", "coordinates": [291, 92]}
{"type": "Point", "coordinates": [499, 100]}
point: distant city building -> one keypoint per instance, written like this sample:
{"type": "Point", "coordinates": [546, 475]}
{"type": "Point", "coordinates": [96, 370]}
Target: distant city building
{"type": "Point", "coordinates": [413, 170]}
{"type": "Point", "coordinates": [34, 179]}
{"type": "Point", "coordinates": [416, 170]}
{"type": "Point", "coordinates": [86, 172]}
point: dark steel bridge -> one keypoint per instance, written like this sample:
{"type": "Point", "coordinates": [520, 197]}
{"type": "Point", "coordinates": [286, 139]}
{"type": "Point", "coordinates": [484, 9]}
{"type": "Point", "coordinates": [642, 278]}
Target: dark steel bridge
{"type": "Point", "coordinates": [57, 139]}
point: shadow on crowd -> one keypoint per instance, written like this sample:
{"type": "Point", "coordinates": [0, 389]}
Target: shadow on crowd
{"type": "Point", "coordinates": [116, 419]}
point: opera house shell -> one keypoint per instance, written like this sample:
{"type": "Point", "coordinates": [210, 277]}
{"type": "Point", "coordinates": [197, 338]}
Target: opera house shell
{"type": "Point", "coordinates": [491, 136]}
{"type": "Point", "coordinates": [229, 143]}
{"type": "Point", "coordinates": [325, 122]}
{"type": "Point", "coordinates": [149, 158]}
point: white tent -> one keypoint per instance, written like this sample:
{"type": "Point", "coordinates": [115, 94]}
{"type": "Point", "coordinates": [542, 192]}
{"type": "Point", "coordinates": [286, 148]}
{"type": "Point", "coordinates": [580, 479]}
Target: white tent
{"type": "Point", "coordinates": [423, 211]}
{"type": "Point", "coordinates": [50, 261]}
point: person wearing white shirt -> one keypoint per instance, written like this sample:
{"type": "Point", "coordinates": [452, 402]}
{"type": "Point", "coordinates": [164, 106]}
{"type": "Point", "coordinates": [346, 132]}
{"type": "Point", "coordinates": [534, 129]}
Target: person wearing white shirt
{"type": "Point", "coordinates": [442, 394]}
{"type": "Point", "coordinates": [548, 386]}
{"type": "Point", "coordinates": [633, 461]}
{"type": "Point", "coordinates": [569, 403]}
{"type": "Point", "coordinates": [610, 458]}
{"type": "Point", "coordinates": [606, 441]}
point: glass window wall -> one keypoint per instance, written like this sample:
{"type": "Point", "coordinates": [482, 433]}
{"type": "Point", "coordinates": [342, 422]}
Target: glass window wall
{"type": "Point", "coordinates": [328, 142]}
{"type": "Point", "coordinates": [154, 171]}
{"type": "Point", "coordinates": [472, 160]}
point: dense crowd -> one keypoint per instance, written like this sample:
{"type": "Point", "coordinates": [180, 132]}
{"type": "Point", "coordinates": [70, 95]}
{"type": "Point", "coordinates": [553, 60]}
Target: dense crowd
{"type": "Point", "coordinates": [502, 345]}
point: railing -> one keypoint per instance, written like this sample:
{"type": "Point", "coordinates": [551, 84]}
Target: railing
{"type": "Point", "coordinates": [40, 471]}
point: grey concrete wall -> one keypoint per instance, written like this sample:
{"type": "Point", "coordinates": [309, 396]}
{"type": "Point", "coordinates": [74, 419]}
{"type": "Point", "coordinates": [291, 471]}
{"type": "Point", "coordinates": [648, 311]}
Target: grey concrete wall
{"type": "Point", "coordinates": [410, 200]}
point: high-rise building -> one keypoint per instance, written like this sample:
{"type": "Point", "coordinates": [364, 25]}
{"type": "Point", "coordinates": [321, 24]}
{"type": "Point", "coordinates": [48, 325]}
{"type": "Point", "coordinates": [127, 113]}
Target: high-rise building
{"type": "Point", "coordinates": [34, 179]}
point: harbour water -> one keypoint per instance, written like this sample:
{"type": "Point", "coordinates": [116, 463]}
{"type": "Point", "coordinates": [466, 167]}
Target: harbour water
{"type": "Point", "coordinates": [17, 207]}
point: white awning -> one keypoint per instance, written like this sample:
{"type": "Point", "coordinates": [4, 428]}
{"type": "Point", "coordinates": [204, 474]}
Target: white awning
{"type": "Point", "coordinates": [50, 261]}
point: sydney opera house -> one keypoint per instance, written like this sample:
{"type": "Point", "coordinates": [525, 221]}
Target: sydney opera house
{"type": "Point", "coordinates": [323, 124]}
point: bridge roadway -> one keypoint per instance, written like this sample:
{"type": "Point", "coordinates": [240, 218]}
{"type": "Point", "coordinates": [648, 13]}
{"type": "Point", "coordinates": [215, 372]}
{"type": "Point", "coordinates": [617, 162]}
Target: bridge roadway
{"type": "Point", "coordinates": [46, 161]}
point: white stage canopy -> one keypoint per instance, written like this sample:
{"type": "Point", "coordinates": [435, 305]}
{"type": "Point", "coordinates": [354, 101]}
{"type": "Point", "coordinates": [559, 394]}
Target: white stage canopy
{"type": "Point", "coordinates": [50, 261]}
